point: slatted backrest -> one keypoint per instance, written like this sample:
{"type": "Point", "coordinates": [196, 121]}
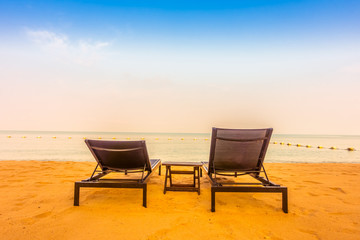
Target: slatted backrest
{"type": "Point", "coordinates": [238, 149]}
{"type": "Point", "coordinates": [119, 155]}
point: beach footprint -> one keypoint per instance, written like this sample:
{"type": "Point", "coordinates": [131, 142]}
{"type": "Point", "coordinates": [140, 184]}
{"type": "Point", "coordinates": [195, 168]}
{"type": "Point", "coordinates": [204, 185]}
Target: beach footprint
{"type": "Point", "coordinates": [313, 194]}
{"type": "Point", "coordinates": [220, 202]}
{"type": "Point", "coordinates": [338, 189]}
{"type": "Point", "coordinates": [313, 233]}
{"type": "Point", "coordinates": [312, 182]}
{"type": "Point", "coordinates": [43, 215]}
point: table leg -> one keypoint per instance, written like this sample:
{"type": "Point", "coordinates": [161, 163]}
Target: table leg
{"type": "Point", "coordinates": [166, 177]}
{"type": "Point", "coordinates": [170, 175]}
{"type": "Point", "coordinates": [198, 178]}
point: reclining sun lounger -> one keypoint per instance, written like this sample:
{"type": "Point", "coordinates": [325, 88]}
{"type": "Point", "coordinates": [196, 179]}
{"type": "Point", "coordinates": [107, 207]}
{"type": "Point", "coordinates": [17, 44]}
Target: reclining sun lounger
{"type": "Point", "coordinates": [119, 156]}
{"type": "Point", "coordinates": [235, 152]}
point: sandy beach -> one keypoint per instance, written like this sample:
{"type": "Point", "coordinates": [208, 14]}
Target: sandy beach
{"type": "Point", "coordinates": [37, 203]}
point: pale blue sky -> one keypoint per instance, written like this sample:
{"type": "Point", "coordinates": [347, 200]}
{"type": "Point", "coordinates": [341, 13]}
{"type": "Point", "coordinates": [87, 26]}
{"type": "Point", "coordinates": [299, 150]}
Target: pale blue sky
{"type": "Point", "coordinates": [180, 66]}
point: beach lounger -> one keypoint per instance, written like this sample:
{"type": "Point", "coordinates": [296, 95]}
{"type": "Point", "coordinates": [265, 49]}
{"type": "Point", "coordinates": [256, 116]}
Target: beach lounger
{"type": "Point", "coordinates": [119, 156]}
{"type": "Point", "coordinates": [236, 152]}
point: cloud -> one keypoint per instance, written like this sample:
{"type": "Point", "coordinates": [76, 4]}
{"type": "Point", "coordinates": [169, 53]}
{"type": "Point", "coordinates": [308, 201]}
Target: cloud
{"type": "Point", "coordinates": [86, 47]}
{"type": "Point", "coordinates": [81, 52]}
{"type": "Point", "coordinates": [49, 39]}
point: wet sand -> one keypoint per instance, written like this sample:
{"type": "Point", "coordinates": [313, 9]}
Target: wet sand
{"type": "Point", "coordinates": [37, 203]}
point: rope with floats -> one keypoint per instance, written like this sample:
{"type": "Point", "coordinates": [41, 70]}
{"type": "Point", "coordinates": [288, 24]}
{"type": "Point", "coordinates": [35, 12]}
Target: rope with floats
{"type": "Point", "coordinates": [319, 147]}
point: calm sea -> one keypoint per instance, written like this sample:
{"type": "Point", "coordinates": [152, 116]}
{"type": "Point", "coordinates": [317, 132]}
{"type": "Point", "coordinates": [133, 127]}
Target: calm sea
{"type": "Point", "coordinates": [70, 146]}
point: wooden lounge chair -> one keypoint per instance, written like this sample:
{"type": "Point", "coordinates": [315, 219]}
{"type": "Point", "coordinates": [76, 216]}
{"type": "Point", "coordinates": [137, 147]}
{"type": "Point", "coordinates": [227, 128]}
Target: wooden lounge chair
{"type": "Point", "coordinates": [119, 156]}
{"type": "Point", "coordinates": [236, 152]}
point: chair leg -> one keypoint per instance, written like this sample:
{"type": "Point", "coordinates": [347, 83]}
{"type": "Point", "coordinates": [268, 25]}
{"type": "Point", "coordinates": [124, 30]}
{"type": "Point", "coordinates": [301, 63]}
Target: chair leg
{"type": "Point", "coordinates": [144, 194]}
{"type": "Point", "coordinates": [160, 170]}
{"type": "Point", "coordinates": [285, 200]}
{"type": "Point", "coordinates": [166, 177]}
{"type": "Point", "coordinates": [76, 194]}
{"type": "Point", "coordinates": [212, 199]}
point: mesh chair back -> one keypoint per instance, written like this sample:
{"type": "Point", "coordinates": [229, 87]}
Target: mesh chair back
{"type": "Point", "coordinates": [235, 150]}
{"type": "Point", "coordinates": [120, 155]}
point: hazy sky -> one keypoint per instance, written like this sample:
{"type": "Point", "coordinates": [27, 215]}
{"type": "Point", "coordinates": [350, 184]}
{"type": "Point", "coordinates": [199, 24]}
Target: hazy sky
{"type": "Point", "coordinates": [180, 66]}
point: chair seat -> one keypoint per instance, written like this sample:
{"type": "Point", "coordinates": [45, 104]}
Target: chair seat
{"type": "Point", "coordinates": [205, 166]}
{"type": "Point", "coordinates": [154, 162]}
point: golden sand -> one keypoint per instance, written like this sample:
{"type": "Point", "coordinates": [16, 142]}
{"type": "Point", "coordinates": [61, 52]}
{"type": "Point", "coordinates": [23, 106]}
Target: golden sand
{"type": "Point", "coordinates": [37, 203]}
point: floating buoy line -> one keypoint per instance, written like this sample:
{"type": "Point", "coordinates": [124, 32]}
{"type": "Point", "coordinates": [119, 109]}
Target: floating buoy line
{"type": "Point", "coordinates": [350, 149]}
{"type": "Point", "coordinates": [319, 147]}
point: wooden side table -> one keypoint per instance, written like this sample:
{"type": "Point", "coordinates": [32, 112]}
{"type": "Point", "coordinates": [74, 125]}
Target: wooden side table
{"type": "Point", "coordinates": [195, 187]}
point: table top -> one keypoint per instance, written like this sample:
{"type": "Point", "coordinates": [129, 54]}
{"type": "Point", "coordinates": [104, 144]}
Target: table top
{"type": "Point", "coordinates": [189, 164]}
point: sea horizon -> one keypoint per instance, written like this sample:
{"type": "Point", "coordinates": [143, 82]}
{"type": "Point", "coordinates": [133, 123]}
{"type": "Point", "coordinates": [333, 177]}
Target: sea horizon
{"type": "Point", "coordinates": [160, 132]}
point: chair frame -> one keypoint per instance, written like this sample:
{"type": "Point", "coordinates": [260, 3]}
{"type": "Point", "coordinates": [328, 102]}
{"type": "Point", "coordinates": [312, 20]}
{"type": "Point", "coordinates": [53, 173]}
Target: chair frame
{"type": "Point", "coordinates": [95, 181]}
{"type": "Point", "coordinates": [264, 184]}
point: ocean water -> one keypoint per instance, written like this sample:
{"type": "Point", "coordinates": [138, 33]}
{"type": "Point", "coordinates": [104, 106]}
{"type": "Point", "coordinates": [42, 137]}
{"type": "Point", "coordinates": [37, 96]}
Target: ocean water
{"type": "Point", "coordinates": [70, 146]}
